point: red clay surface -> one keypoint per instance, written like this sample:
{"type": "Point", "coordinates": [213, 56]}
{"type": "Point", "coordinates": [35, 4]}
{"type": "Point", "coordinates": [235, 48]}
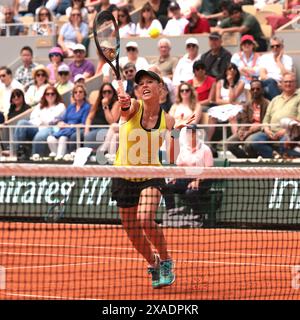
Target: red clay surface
{"type": "Point", "coordinates": [60, 261]}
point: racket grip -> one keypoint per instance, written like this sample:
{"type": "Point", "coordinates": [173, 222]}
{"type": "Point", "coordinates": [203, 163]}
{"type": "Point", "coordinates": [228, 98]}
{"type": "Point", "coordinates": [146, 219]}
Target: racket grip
{"type": "Point", "coordinates": [121, 87]}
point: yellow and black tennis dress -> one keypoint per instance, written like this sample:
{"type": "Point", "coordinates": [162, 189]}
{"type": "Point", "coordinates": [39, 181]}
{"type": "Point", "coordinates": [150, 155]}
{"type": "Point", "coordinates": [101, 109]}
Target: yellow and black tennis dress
{"type": "Point", "coordinates": [138, 146]}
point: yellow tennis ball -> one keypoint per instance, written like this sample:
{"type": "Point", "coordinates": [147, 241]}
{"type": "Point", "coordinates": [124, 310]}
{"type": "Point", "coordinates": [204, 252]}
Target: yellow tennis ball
{"type": "Point", "coordinates": [154, 33]}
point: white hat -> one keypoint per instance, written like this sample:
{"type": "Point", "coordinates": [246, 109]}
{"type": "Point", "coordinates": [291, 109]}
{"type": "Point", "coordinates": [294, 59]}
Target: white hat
{"type": "Point", "coordinates": [63, 68]}
{"type": "Point", "coordinates": [132, 44]}
{"type": "Point", "coordinates": [79, 46]}
{"type": "Point", "coordinates": [78, 76]}
{"type": "Point", "coordinates": [192, 41]}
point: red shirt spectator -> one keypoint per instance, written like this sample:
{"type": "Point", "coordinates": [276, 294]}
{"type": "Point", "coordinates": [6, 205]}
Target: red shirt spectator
{"type": "Point", "coordinates": [196, 24]}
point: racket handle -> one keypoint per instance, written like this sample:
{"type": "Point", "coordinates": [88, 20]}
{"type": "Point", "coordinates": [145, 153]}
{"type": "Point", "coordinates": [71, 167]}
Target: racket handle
{"type": "Point", "coordinates": [121, 87]}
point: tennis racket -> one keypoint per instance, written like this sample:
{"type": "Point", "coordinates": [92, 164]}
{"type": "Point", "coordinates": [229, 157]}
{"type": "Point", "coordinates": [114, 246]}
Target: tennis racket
{"type": "Point", "coordinates": [107, 40]}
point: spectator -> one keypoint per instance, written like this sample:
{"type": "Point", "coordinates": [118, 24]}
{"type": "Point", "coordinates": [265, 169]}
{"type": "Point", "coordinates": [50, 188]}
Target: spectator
{"type": "Point", "coordinates": [273, 65]}
{"type": "Point", "coordinates": [147, 22]}
{"type": "Point", "coordinates": [165, 62]}
{"type": "Point", "coordinates": [285, 105]}
{"type": "Point", "coordinates": [160, 9]}
{"type": "Point", "coordinates": [203, 84]}
{"type": "Point", "coordinates": [80, 64]}
{"type": "Point", "coordinates": [78, 4]}
{"type": "Point", "coordinates": [56, 57]}
{"type": "Point", "coordinates": [41, 80]}
{"type": "Point", "coordinates": [244, 23]}
{"type": "Point", "coordinates": [73, 32]}
{"type": "Point", "coordinates": [186, 106]}
{"type": "Point", "coordinates": [165, 101]}
{"type": "Point", "coordinates": [126, 27]}
{"type": "Point", "coordinates": [33, 6]}
{"type": "Point", "coordinates": [175, 26]}
{"type": "Point", "coordinates": [75, 115]}
{"type": "Point", "coordinates": [253, 114]}
{"type": "Point", "coordinates": [105, 111]}
{"type": "Point", "coordinates": [97, 6]}
{"type": "Point", "coordinates": [247, 60]}
{"type": "Point", "coordinates": [79, 79]}
{"type": "Point", "coordinates": [6, 28]}
{"type": "Point", "coordinates": [42, 118]}
{"type": "Point", "coordinates": [43, 26]}
{"type": "Point", "coordinates": [211, 10]}
{"type": "Point", "coordinates": [129, 72]}
{"type": "Point", "coordinates": [291, 146]}
{"type": "Point", "coordinates": [184, 68]}
{"type": "Point", "coordinates": [64, 84]}
{"type": "Point", "coordinates": [193, 153]}
{"type": "Point", "coordinates": [197, 23]}
{"type": "Point", "coordinates": [132, 51]}
{"type": "Point", "coordinates": [7, 85]}
{"type": "Point", "coordinates": [58, 7]}
{"type": "Point", "coordinates": [17, 104]}
{"type": "Point", "coordinates": [217, 58]}
{"type": "Point", "coordinates": [229, 90]}
{"type": "Point", "coordinates": [23, 73]}
{"type": "Point", "coordinates": [13, 3]}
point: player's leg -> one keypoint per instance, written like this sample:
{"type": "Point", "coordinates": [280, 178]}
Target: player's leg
{"type": "Point", "coordinates": [149, 201]}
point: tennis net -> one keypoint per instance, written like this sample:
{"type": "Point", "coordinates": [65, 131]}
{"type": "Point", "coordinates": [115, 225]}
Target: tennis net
{"type": "Point", "coordinates": [235, 237]}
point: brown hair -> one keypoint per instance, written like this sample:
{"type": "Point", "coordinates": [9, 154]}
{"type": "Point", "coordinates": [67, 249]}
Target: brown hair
{"type": "Point", "coordinates": [193, 98]}
{"type": "Point", "coordinates": [44, 102]}
{"type": "Point", "coordinates": [147, 7]}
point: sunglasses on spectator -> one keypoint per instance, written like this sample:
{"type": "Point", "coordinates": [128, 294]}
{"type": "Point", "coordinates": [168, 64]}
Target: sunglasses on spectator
{"type": "Point", "coordinates": [43, 14]}
{"type": "Point", "coordinates": [75, 92]}
{"type": "Point", "coordinates": [63, 73]}
{"type": "Point", "coordinates": [40, 75]}
{"type": "Point", "coordinates": [230, 68]}
{"type": "Point", "coordinates": [185, 90]}
{"type": "Point", "coordinates": [55, 54]}
{"type": "Point", "coordinates": [50, 94]}
{"type": "Point", "coordinates": [191, 45]}
{"type": "Point", "coordinates": [121, 15]}
{"type": "Point", "coordinates": [76, 14]}
{"type": "Point", "coordinates": [275, 46]}
{"type": "Point", "coordinates": [131, 49]}
{"type": "Point", "coordinates": [78, 51]}
{"type": "Point", "coordinates": [255, 89]}
{"type": "Point", "coordinates": [16, 95]}
{"type": "Point", "coordinates": [129, 71]}
{"type": "Point", "coordinates": [106, 92]}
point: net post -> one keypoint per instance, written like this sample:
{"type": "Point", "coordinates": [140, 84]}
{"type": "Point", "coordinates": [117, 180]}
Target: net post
{"type": "Point", "coordinates": [2, 278]}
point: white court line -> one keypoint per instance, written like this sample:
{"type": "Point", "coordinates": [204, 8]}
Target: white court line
{"type": "Point", "coordinates": [37, 296]}
{"type": "Point", "coordinates": [237, 253]}
{"type": "Point", "coordinates": [140, 259]}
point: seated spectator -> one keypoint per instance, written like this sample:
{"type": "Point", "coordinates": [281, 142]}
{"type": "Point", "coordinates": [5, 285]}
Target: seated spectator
{"type": "Point", "coordinates": [204, 85]}
{"type": "Point", "coordinates": [13, 3]}
{"type": "Point", "coordinates": [41, 80]}
{"type": "Point", "coordinates": [58, 7]}
{"type": "Point", "coordinates": [7, 85]}
{"type": "Point", "coordinates": [79, 79]}
{"type": "Point", "coordinates": [6, 28]}
{"type": "Point", "coordinates": [273, 65]}
{"type": "Point", "coordinates": [160, 9]}
{"type": "Point", "coordinates": [147, 22]}
{"type": "Point", "coordinates": [197, 23]}
{"type": "Point", "coordinates": [165, 62]}
{"type": "Point", "coordinates": [193, 153]}
{"type": "Point", "coordinates": [126, 27]}
{"type": "Point", "coordinates": [229, 90]}
{"type": "Point", "coordinates": [41, 122]}
{"type": "Point", "coordinates": [43, 26]}
{"type": "Point", "coordinates": [253, 114]}
{"type": "Point", "coordinates": [132, 50]}
{"type": "Point", "coordinates": [56, 57]}
{"type": "Point", "coordinates": [75, 115]}
{"type": "Point", "coordinates": [186, 106]}
{"type": "Point", "coordinates": [184, 68]}
{"type": "Point", "coordinates": [81, 65]}
{"type": "Point", "coordinates": [217, 58]}
{"type": "Point", "coordinates": [129, 72]}
{"type": "Point", "coordinates": [33, 6]}
{"type": "Point", "coordinates": [23, 73]}
{"type": "Point", "coordinates": [95, 6]}
{"type": "Point", "coordinates": [78, 4]}
{"type": "Point", "coordinates": [17, 104]}
{"type": "Point", "coordinates": [247, 60]}
{"type": "Point", "coordinates": [175, 26]}
{"type": "Point", "coordinates": [215, 11]}
{"type": "Point", "coordinates": [244, 23]}
{"type": "Point", "coordinates": [290, 147]}
{"type": "Point", "coordinates": [286, 105]}
{"type": "Point", "coordinates": [64, 84]}
{"type": "Point", "coordinates": [165, 101]}
{"type": "Point", "coordinates": [73, 32]}
{"type": "Point", "coordinates": [105, 111]}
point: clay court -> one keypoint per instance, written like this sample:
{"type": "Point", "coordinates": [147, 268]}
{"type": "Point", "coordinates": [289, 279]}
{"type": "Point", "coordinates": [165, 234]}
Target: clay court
{"type": "Point", "coordinates": [77, 261]}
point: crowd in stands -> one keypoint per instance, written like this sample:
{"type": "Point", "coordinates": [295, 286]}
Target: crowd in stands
{"type": "Point", "coordinates": [251, 89]}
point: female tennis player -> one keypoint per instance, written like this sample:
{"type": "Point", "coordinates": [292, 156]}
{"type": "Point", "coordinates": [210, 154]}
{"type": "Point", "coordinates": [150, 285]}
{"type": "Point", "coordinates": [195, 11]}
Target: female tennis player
{"type": "Point", "coordinates": [144, 126]}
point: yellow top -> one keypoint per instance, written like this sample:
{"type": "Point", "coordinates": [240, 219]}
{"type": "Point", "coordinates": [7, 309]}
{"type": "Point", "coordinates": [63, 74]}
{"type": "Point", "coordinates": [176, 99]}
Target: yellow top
{"type": "Point", "coordinates": [139, 146]}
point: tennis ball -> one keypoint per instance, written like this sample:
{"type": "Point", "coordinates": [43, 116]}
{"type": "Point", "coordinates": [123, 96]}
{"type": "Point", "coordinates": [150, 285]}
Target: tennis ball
{"type": "Point", "coordinates": [154, 33]}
